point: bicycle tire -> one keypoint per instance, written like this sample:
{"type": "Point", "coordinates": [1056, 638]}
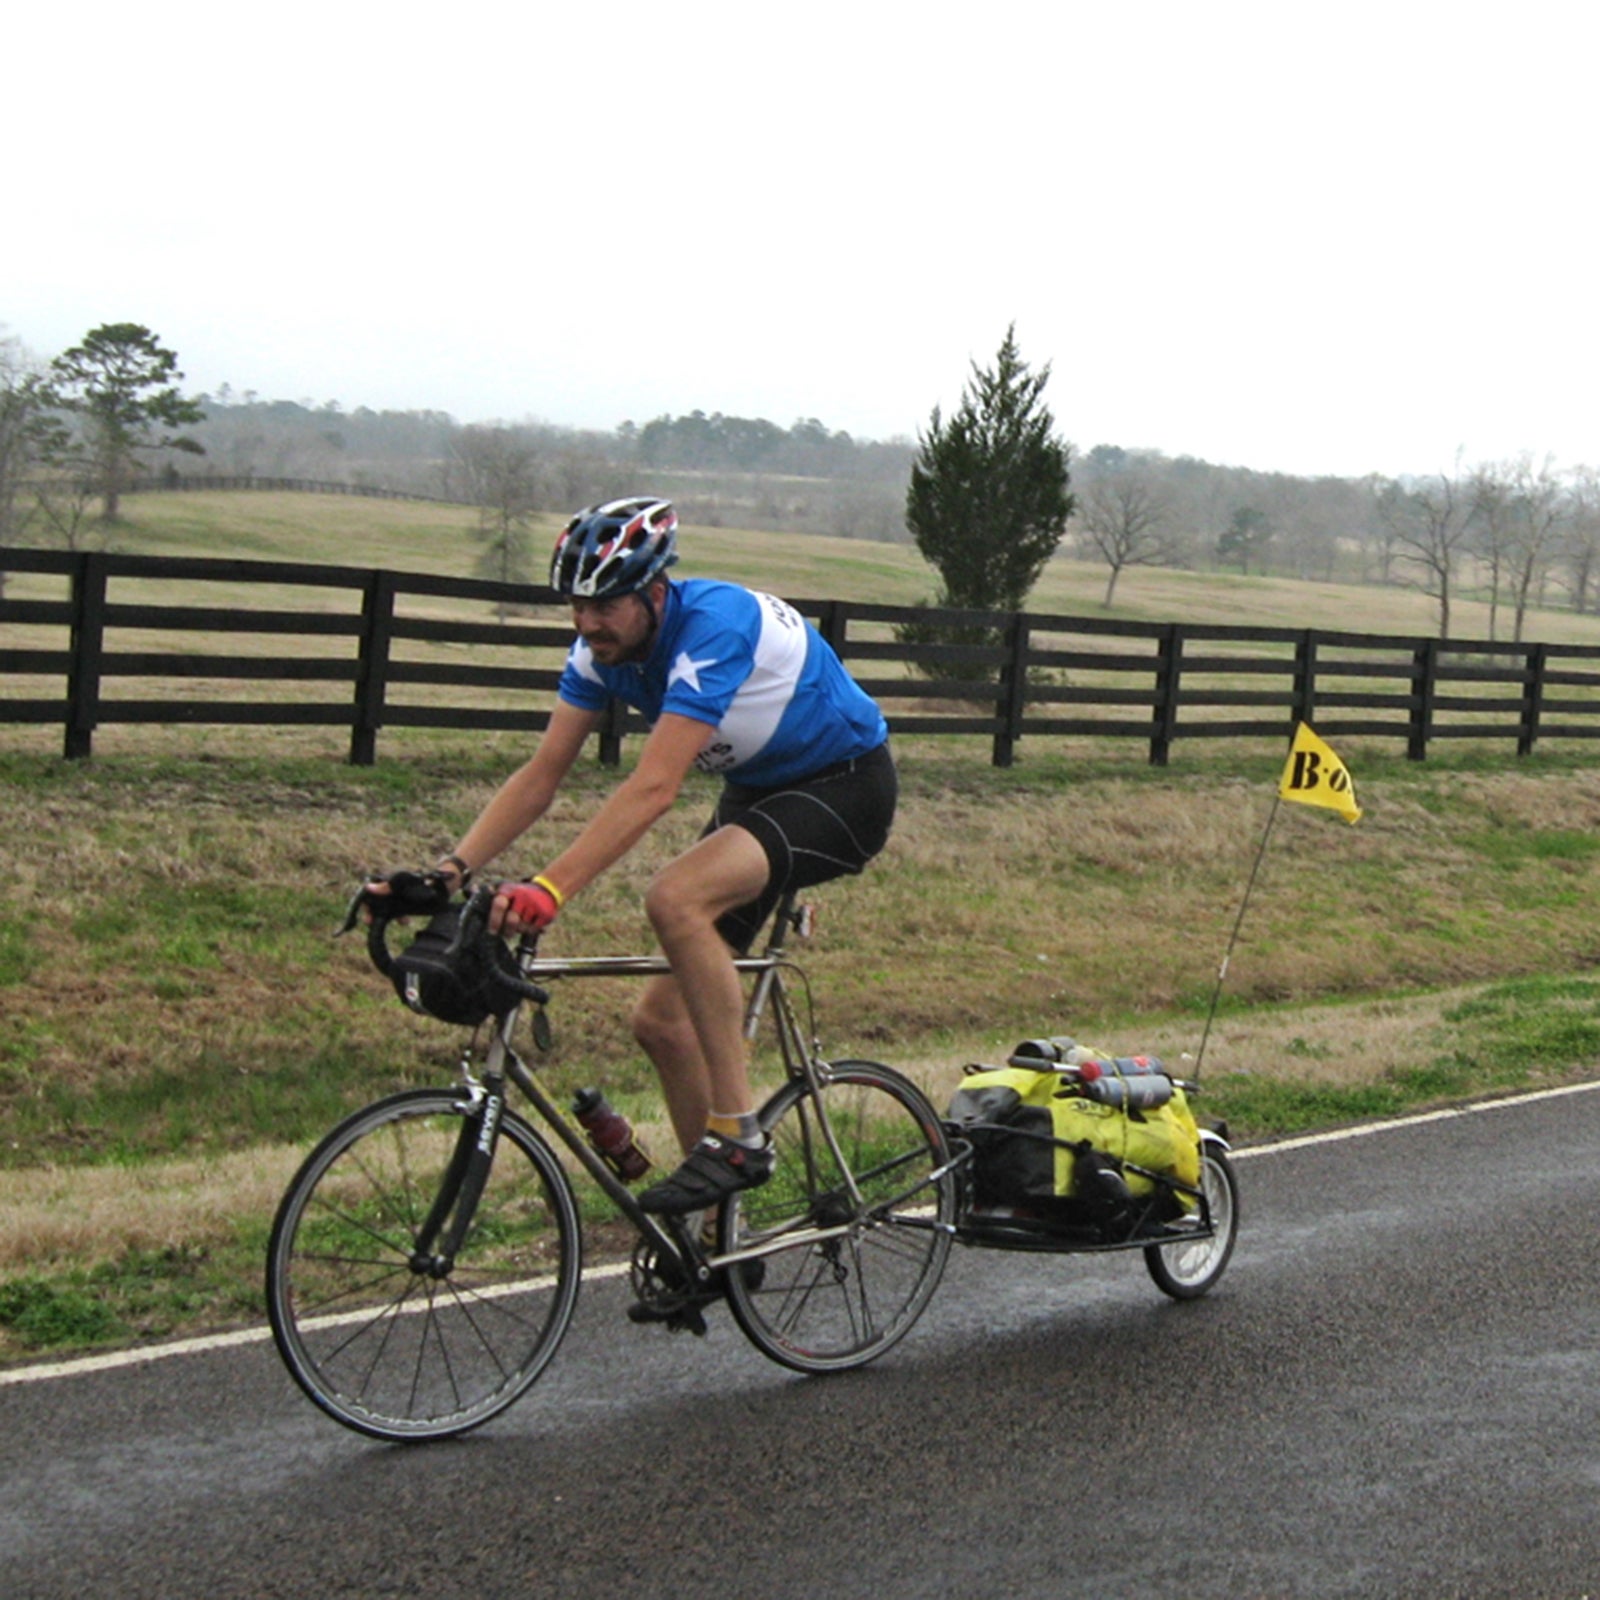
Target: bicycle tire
{"type": "Point", "coordinates": [1191, 1267]}
{"type": "Point", "coordinates": [828, 1305]}
{"type": "Point", "coordinates": [383, 1345]}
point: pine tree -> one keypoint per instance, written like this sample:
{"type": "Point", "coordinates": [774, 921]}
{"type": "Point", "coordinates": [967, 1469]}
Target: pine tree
{"type": "Point", "coordinates": [989, 499]}
{"type": "Point", "coordinates": [120, 387]}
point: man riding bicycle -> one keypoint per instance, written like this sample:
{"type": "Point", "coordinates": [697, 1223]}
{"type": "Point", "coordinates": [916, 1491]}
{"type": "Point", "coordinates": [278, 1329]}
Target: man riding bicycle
{"type": "Point", "coordinates": [733, 682]}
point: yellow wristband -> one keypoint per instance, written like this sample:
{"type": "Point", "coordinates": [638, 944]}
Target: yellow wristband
{"type": "Point", "coordinates": [551, 890]}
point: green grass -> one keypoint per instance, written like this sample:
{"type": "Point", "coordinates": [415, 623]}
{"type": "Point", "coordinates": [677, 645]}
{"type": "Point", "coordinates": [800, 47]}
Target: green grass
{"type": "Point", "coordinates": [139, 1296]}
{"type": "Point", "coordinates": [174, 998]}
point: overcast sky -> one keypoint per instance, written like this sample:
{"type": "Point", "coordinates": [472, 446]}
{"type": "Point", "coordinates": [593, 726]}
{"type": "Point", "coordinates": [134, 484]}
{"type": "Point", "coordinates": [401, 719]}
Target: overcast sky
{"type": "Point", "coordinates": [1289, 237]}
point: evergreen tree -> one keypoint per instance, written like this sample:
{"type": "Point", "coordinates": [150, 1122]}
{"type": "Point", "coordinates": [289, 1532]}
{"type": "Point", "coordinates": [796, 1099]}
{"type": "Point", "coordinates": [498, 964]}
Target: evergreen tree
{"type": "Point", "coordinates": [989, 499]}
{"type": "Point", "coordinates": [119, 386]}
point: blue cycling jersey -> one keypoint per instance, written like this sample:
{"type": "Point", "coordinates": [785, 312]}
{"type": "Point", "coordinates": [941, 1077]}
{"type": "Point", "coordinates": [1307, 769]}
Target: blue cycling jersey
{"type": "Point", "coordinates": [752, 668]}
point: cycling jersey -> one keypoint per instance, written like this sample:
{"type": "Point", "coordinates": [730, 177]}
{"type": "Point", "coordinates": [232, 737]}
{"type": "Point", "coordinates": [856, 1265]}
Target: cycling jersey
{"type": "Point", "coordinates": [751, 667]}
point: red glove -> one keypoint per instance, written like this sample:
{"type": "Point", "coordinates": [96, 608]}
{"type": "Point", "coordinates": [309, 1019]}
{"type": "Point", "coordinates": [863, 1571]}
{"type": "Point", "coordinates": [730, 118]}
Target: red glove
{"type": "Point", "coordinates": [535, 905]}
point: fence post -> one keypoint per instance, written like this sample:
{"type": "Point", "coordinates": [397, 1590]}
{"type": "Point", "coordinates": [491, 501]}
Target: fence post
{"type": "Point", "coordinates": [1305, 677]}
{"type": "Point", "coordinates": [1169, 671]}
{"type": "Point", "coordinates": [87, 647]}
{"type": "Point", "coordinates": [1424, 683]}
{"type": "Point", "coordinates": [1013, 696]}
{"type": "Point", "coordinates": [372, 667]}
{"type": "Point", "coordinates": [1532, 699]}
{"type": "Point", "coordinates": [611, 730]}
{"type": "Point", "coordinates": [833, 621]}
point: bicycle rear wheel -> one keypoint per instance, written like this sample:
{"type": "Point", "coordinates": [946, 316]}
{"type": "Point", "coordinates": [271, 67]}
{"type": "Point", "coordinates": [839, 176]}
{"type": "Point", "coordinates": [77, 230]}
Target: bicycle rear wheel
{"type": "Point", "coordinates": [844, 1276]}
{"type": "Point", "coordinates": [377, 1339]}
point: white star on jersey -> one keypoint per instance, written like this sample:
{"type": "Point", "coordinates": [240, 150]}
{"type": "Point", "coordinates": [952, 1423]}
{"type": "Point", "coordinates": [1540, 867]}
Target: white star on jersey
{"type": "Point", "coordinates": [687, 671]}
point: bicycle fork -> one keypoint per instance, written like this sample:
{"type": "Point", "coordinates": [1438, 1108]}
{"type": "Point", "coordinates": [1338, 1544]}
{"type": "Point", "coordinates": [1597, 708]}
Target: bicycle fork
{"type": "Point", "coordinates": [439, 1238]}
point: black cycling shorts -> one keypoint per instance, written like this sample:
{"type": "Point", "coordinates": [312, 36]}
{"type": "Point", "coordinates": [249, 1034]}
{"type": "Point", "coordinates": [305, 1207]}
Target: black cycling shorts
{"type": "Point", "coordinates": [827, 825]}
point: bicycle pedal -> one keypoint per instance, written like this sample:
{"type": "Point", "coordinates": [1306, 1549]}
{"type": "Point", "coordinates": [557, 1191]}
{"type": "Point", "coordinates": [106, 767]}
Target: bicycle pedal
{"type": "Point", "coordinates": [678, 1315]}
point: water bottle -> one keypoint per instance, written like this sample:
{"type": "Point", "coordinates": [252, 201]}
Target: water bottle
{"type": "Point", "coordinates": [1138, 1091]}
{"type": "Point", "coordinates": [1119, 1066]}
{"type": "Point", "coordinates": [610, 1134]}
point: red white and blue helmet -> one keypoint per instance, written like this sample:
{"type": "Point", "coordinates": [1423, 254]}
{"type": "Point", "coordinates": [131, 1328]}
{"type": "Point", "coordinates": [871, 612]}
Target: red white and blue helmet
{"type": "Point", "coordinates": [614, 549]}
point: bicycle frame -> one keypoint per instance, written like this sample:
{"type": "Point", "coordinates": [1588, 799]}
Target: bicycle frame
{"type": "Point", "coordinates": [501, 1061]}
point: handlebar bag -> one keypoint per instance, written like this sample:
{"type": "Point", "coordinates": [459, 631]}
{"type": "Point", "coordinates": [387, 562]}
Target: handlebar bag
{"type": "Point", "coordinates": [437, 979]}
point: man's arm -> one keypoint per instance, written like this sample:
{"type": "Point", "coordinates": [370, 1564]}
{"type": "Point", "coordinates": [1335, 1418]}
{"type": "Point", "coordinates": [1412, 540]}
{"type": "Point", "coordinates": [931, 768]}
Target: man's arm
{"type": "Point", "coordinates": [634, 806]}
{"type": "Point", "coordinates": [526, 795]}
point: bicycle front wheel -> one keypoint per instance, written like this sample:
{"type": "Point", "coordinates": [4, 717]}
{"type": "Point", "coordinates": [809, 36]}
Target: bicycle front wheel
{"type": "Point", "coordinates": [851, 1253]}
{"type": "Point", "coordinates": [389, 1343]}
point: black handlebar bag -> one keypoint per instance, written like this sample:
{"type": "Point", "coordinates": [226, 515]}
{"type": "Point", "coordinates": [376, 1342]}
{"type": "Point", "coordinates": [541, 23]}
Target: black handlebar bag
{"type": "Point", "coordinates": [442, 974]}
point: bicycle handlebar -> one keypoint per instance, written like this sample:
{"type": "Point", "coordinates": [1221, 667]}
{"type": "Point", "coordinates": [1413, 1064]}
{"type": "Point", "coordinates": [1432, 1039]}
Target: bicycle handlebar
{"type": "Point", "coordinates": [472, 937]}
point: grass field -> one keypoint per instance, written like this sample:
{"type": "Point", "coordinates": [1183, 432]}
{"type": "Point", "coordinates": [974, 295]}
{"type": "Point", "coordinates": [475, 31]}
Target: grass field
{"type": "Point", "coordinates": [441, 539]}
{"type": "Point", "coordinates": [181, 1026]}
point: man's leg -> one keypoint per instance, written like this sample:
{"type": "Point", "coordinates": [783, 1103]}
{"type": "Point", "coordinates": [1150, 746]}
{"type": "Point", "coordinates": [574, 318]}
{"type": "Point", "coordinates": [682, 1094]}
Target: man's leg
{"type": "Point", "coordinates": [725, 869]}
{"type": "Point", "coordinates": [662, 1027]}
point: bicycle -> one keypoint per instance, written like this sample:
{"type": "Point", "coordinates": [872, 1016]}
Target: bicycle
{"type": "Point", "coordinates": [425, 1260]}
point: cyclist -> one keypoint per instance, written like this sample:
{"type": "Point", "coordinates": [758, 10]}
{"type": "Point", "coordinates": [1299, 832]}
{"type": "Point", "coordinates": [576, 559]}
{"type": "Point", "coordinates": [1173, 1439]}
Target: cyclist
{"type": "Point", "coordinates": [733, 682]}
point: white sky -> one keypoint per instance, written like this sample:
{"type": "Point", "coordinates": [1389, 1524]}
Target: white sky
{"type": "Point", "coordinates": [1308, 238]}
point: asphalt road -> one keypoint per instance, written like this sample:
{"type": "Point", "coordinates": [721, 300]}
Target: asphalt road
{"type": "Point", "coordinates": [1392, 1393]}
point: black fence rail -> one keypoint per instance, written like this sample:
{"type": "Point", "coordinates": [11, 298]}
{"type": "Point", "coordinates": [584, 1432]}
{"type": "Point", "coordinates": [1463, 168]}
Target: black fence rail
{"type": "Point", "coordinates": [169, 640]}
{"type": "Point", "coordinates": [171, 481]}
{"type": "Point", "coordinates": [201, 482]}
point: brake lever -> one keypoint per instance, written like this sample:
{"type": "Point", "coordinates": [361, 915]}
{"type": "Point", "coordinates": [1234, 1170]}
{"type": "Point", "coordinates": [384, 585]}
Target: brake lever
{"type": "Point", "coordinates": [352, 912]}
{"type": "Point", "coordinates": [473, 923]}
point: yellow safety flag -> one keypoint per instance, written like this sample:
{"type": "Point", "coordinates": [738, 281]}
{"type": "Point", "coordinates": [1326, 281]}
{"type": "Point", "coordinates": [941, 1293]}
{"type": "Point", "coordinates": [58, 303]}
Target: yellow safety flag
{"type": "Point", "coordinates": [1315, 776]}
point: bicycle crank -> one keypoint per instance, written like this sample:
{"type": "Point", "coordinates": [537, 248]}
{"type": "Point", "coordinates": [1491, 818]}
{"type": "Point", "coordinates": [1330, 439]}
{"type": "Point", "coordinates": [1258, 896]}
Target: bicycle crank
{"type": "Point", "coordinates": [661, 1294]}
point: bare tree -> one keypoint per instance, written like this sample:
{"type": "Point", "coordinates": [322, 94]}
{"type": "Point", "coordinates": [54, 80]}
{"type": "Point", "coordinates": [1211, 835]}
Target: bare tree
{"type": "Point", "coordinates": [28, 432]}
{"type": "Point", "coordinates": [1124, 517]}
{"type": "Point", "coordinates": [61, 506]}
{"type": "Point", "coordinates": [498, 469]}
{"type": "Point", "coordinates": [1374, 534]}
{"type": "Point", "coordinates": [1540, 504]}
{"type": "Point", "coordinates": [1494, 518]}
{"type": "Point", "coordinates": [19, 408]}
{"type": "Point", "coordinates": [1431, 520]}
{"type": "Point", "coordinates": [1580, 537]}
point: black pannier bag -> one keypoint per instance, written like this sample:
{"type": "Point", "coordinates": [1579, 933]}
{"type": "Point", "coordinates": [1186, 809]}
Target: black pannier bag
{"type": "Point", "coordinates": [1014, 1158]}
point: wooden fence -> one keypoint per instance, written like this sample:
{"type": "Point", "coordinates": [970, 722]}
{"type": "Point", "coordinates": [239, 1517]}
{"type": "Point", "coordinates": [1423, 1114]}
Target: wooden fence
{"type": "Point", "coordinates": [133, 639]}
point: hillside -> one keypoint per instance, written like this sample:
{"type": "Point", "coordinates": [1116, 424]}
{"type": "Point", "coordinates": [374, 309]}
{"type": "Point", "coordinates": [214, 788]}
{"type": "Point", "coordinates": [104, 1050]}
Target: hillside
{"type": "Point", "coordinates": [442, 539]}
{"type": "Point", "coordinates": [180, 1025]}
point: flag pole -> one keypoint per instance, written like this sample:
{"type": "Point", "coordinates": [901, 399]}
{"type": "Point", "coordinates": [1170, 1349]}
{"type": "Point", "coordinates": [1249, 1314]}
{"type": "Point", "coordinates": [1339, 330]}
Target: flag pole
{"type": "Point", "coordinates": [1233, 938]}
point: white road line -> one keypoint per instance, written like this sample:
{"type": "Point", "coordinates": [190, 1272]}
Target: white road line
{"type": "Point", "coordinates": [1366, 1129]}
{"type": "Point", "coordinates": [222, 1341]}
{"type": "Point", "coordinates": [186, 1347]}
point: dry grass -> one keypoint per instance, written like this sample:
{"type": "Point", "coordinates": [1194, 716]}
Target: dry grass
{"type": "Point", "coordinates": [172, 996]}
{"type": "Point", "coordinates": [53, 1215]}
{"type": "Point", "coordinates": [1342, 1045]}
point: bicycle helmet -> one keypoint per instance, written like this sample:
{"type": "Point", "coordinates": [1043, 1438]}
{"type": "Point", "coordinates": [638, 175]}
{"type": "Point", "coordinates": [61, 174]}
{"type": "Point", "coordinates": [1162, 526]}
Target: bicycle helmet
{"type": "Point", "coordinates": [614, 549]}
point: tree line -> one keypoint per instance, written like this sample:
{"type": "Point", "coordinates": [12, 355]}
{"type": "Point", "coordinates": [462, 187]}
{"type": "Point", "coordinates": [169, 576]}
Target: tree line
{"type": "Point", "coordinates": [79, 431]}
